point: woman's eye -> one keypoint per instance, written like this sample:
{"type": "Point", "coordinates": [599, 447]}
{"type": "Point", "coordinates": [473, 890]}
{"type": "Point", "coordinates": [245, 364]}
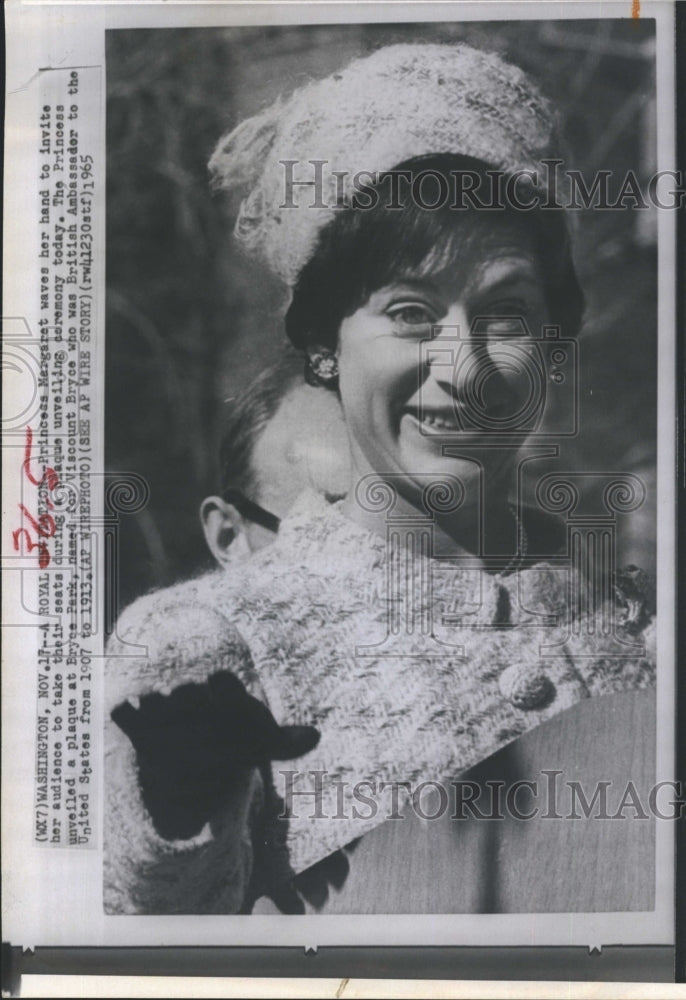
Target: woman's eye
{"type": "Point", "coordinates": [504, 320]}
{"type": "Point", "coordinates": [506, 326]}
{"type": "Point", "coordinates": [412, 318]}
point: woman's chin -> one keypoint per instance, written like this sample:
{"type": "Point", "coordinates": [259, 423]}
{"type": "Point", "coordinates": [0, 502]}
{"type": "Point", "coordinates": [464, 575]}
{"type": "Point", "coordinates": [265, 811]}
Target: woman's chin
{"type": "Point", "coordinates": [422, 453]}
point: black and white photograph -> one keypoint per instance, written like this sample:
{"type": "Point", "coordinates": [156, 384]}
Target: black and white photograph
{"type": "Point", "coordinates": [381, 338]}
{"type": "Point", "coordinates": [339, 545]}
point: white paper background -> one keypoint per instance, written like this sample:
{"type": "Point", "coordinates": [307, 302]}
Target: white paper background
{"type": "Point", "coordinates": [54, 897]}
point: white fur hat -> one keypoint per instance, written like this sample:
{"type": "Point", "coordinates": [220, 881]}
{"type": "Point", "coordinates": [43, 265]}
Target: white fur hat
{"type": "Point", "coordinates": [401, 102]}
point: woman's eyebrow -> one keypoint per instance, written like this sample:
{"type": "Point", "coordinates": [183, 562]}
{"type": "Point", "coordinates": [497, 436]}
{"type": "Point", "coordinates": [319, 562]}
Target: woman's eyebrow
{"type": "Point", "coordinates": [493, 275]}
{"type": "Point", "coordinates": [413, 283]}
{"type": "Point", "coordinates": [410, 285]}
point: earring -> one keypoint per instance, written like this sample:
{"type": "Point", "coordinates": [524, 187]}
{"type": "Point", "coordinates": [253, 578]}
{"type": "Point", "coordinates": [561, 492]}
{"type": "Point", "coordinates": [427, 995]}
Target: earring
{"type": "Point", "coordinates": [321, 369]}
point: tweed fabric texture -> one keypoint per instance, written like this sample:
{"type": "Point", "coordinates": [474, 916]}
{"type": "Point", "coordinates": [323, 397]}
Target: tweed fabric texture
{"type": "Point", "coordinates": [401, 102]}
{"type": "Point", "coordinates": [305, 626]}
{"type": "Point", "coordinates": [172, 637]}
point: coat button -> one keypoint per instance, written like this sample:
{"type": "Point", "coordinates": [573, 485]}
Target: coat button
{"type": "Point", "coordinates": [527, 687]}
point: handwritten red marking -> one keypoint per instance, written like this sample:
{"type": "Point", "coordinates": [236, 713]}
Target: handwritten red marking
{"type": "Point", "coordinates": [44, 524]}
{"type": "Point", "coordinates": [43, 554]}
{"type": "Point", "coordinates": [39, 525]}
{"type": "Point", "coordinates": [49, 476]}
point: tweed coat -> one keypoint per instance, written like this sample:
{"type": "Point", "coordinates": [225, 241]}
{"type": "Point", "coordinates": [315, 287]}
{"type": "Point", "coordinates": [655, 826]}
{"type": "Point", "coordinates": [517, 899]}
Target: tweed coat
{"type": "Point", "coordinates": [413, 668]}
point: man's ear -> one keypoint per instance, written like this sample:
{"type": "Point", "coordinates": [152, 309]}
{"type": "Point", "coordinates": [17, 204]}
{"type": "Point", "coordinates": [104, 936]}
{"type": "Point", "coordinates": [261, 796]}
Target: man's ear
{"type": "Point", "coordinates": [224, 529]}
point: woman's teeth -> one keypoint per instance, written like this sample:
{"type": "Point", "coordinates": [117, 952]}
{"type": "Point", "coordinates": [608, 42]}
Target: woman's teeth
{"type": "Point", "coordinates": [434, 422]}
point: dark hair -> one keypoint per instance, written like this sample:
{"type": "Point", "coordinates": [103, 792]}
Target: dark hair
{"type": "Point", "coordinates": [363, 249]}
{"type": "Point", "coordinates": [248, 415]}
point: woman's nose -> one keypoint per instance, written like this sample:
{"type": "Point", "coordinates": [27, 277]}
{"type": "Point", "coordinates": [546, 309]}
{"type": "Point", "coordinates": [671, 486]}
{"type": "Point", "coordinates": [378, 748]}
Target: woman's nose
{"type": "Point", "coordinates": [487, 381]}
{"type": "Point", "coordinates": [452, 355]}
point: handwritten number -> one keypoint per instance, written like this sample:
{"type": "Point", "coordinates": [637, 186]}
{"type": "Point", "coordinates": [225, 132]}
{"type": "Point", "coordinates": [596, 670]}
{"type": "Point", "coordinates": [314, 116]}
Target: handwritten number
{"type": "Point", "coordinates": [39, 525]}
{"type": "Point", "coordinates": [44, 525]}
{"type": "Point", "coordinates": [43, 554]}
{"type": "Point", "coordinates": [49, 475]}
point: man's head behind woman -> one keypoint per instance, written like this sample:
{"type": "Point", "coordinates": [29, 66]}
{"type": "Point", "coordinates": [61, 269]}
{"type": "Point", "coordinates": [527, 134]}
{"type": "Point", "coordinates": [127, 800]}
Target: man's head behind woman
{"type": "Point", "coordinates": [279, 436]}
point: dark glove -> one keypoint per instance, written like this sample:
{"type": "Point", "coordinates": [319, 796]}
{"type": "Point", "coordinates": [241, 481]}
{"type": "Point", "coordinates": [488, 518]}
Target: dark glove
{"type": "Point", "coordinates": [636, 598]}
{"type": "Point", "coordinates": [312, 885]}
{"type": "Point", "coordinates": [195, 746]}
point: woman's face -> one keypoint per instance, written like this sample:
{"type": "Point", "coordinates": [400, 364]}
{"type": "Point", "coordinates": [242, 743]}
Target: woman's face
{"type": "Point", "coordinates": [416, 379]}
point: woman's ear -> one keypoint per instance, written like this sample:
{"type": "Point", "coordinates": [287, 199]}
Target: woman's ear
{"type": "Point", "coordinates": [224, 529]}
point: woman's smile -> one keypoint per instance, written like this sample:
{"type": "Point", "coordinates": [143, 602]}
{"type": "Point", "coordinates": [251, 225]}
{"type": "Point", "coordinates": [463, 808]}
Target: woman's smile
{"type": "Point", "coordinates": [433, 421]}
{"type": "Point", "coordinates": [433, 362]}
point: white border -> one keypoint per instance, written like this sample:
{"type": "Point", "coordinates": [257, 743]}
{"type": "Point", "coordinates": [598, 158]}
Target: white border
{"type": "Point", "coordinates": [46, 906]}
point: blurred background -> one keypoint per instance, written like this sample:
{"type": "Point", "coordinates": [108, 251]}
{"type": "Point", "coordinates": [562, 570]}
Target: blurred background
{"type": "Point", "coordinates": [190, 322]}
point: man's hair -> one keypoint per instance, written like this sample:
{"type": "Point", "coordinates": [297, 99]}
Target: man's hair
{"type": "Point", "coordinates": [364, 249]}
{"type": "Point", "coordinates": [246, 417]}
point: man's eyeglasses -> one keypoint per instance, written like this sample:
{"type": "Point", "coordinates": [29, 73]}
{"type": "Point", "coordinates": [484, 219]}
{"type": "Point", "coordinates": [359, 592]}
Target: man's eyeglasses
{"type": "Point", "coordinates": [251, 510]}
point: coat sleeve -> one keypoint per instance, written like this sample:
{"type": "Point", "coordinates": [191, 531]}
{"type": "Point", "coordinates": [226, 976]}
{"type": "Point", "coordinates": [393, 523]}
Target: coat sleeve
{"type": "Point", "coordinates": [173, 637]}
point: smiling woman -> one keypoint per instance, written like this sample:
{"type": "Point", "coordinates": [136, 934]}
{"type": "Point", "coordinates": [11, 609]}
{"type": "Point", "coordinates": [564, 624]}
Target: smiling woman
{"type": "Point", "coordinates": [434, 317]}
{"type": "Point", "coordinates": [435, 615]}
